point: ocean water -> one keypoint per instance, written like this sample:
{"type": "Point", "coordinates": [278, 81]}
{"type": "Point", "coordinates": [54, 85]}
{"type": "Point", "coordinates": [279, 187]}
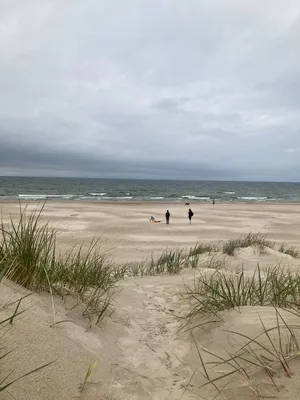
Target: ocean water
{"type": "Point", "coordinates": [124, 190]}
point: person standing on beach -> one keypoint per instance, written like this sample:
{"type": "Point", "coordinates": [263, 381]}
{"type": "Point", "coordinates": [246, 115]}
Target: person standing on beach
{"type": "Point", "coordinates": [190, 215]}
{"type": "Point", "coordinates": [168, 215]}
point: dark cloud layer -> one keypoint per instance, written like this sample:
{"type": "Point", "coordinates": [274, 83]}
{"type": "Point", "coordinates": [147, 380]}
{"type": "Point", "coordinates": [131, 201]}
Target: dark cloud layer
{"type": "Point", "coordinates": [186, 90]}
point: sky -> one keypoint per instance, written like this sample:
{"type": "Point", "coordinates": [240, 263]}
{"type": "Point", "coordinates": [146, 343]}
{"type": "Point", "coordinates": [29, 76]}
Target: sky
{"type": "Point", "coordinates": [170, 89]}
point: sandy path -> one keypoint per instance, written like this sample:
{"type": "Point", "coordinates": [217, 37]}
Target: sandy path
{"type": "Point", "coordinates": [151, 366]}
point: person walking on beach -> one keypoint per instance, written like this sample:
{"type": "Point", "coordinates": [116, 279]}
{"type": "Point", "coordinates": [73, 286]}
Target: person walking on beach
{"type": "Point", "coordinates": [190, 214]}
{"type": "Point", "coordinates": [168, 215]}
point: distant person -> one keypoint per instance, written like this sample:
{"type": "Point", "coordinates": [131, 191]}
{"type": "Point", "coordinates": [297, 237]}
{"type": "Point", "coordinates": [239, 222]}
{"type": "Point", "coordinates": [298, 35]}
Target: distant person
{"type": "Point", "coordinates": [190, 214]}
{"type": "Point", "coordinates": [214, 202]}
{"type": "Point", "coordinates": [168, 215]}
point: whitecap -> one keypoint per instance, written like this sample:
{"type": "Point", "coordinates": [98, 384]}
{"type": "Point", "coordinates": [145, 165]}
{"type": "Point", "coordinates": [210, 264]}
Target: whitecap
{"type": "Point", "coordinates": [45, 196]}
{"type": "Point", "coordinates": [195, 197]}
{"type": "Point", "coordinates": [253, 198]}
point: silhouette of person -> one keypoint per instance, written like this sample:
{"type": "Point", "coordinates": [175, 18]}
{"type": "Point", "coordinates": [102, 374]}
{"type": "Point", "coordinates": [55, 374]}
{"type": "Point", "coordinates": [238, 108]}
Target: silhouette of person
{"type": "Point", "coordinates": [190, 215]}
{"type": "Point", "coordinates": [168, 215]}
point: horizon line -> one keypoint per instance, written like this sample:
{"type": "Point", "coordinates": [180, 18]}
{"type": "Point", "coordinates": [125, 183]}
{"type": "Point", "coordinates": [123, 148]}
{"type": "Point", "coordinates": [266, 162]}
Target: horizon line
{"type": "Point", "coordinates": [146, 179]}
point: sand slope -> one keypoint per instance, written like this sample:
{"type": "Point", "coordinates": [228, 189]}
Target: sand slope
{"type": "Point", "coordinates": [140, 352]}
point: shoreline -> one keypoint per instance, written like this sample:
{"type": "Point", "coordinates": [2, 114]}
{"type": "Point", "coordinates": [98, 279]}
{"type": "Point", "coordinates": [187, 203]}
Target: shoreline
{"type": "Point", "coordinates": [138, 202]}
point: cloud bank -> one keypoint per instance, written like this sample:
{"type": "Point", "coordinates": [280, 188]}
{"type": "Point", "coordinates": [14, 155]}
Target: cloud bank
{"type": "Point", "coordinates": [161, 89]}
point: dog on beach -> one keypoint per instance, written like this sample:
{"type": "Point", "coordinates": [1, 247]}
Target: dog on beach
{"type": "Point", "coordinates": [187, 204]}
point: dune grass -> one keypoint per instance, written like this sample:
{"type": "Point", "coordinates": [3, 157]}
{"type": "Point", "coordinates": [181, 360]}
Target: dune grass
{"type": "Point", "coordinates": [88, 276]}
{"type": "Point", "coordinates": [267, 352]}
{"type": "Point", "coordinates": [193, 256]}
{"type": "Point", "coordinates": [257, 240]}
{"type": "Point", "coordinates": [174, 261]}
{"type": "Point", "coordinates": [238, 374]}
{"type": "Point", "coordinates": [169, 262]}
{"type": "Point", "coordinates": [289, 250]}
{"type": "Point", "coordinates": [28, 247]}
{"type": "Point", "coordinates": [201, 248]}
{"type": "Point", "coordinates": [28, 257]}
{"type": "Point", "coordinates": [219, 291]}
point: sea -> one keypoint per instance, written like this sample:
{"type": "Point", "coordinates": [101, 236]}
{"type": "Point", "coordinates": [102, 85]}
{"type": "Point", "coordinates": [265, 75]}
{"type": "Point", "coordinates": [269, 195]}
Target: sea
{"type": "Point", "coordinates": [133, 190]}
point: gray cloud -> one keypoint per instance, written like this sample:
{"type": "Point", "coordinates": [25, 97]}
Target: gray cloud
{"type": "Point", "coordinates": [172, 89]}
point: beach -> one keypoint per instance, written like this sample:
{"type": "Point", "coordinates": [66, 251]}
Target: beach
{"type": "Point", "coordinates": [149, 200]}
{"type": "Point", "coordinates": [127, 234]}
{"type": "Point", "coordinates": [143, 349]}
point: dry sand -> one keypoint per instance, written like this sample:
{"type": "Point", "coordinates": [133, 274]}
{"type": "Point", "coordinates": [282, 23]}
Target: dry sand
{"type": "Point", "coordinates": [128, 235]}
{"type": "Point", "coordinates": [139, 352]}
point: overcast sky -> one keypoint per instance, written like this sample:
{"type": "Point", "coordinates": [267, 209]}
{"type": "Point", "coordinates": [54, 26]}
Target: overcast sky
{"type": "Point", "coordinates": [196, 89]}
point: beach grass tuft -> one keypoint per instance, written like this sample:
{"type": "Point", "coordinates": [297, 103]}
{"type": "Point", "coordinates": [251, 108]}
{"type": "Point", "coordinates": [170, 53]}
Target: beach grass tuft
{"type": "Point", "coordinates": [26, 246]}
{"type": "Point", "coordinates": [28, 257]}
{"type": "Point", "coordinates": [201, 248]}
{"type": "Point", "coordinates": [257, 240]}
{"type": "Point", "coordinates": [289, 250]}
{"type": "Point", "coordinates": [223, 290]}
{"type": "Point", "coordinates": [169, 262]}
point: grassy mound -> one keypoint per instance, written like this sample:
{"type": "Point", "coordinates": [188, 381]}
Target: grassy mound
{"type": "Point", "coordinates": [257, 240]}
{"type": "Point", "coordinates": [224, 291]}
{"type": "Point", "coordinates": [28, 257]}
